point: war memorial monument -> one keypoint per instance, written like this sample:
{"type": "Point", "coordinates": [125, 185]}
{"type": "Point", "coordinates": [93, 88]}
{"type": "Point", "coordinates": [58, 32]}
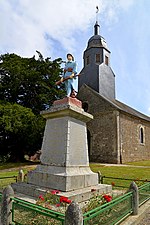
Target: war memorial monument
{"type": "Point", "coordinates": [64, 159]}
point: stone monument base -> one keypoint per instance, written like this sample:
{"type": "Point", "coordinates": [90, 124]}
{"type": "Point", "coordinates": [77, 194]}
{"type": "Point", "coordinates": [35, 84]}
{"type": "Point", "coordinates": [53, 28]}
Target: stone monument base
{"type": "Point", "coordinates": [62, 178]}
{"type": "Point", "coordinates": [64, 159]}
{"type": "Point", "coordinates": [79, 196]}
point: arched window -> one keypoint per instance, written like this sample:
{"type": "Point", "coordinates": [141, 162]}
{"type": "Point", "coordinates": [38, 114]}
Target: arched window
{"type": "Point", "coordinates": [141, 135]}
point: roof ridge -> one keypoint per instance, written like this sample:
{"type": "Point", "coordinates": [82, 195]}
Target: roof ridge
{"type": "Point", "coordinates": [120, 105]}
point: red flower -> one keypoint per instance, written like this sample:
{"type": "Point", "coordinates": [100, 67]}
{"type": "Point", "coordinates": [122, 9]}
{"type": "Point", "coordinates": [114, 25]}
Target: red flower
{"type": "Point", "coordinates": [65, 200]}
{"type": "Point", "coordinates": [112, 183]}
{"type": "Point", "coordinates": [58, 204]}
{"type": "Point", "coordinates": [41, 197]}
{"type": "Point", "coordinates": [68, 201]}
{"type": "Point", "coordinates": [108, 198]}
{"type": "Point", "coordinates": [55, 192]}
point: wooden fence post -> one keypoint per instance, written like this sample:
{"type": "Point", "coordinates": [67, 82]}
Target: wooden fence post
{"type": "Point", "coordinates": [73, 215]}
{"type": "Point", "coordinates": [6, 207]}
{"type": "Point", "coordinates": [135, 200]}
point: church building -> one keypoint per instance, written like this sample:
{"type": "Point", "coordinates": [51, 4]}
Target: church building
{"type": "Point", "coordinates": [118, 133]}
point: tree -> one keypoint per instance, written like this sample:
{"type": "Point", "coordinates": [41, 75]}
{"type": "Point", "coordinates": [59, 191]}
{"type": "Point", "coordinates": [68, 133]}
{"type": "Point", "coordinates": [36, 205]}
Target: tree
{"type": "Point", "coordinates": [21, 131]}
{"type": "Point", "coordinates": [30, 82]}
{"type": "Point", "coordinates": [27, 86]}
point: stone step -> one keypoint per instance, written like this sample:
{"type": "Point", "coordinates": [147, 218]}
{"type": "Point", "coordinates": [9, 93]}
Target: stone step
{"type": "Point", "coordinates": [80, 195]}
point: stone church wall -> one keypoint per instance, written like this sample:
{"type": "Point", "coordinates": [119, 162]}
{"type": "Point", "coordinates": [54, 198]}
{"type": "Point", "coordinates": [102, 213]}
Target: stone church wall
{"type": "Point", "coordinates": [130, 143]}
{"type": "Point", "coordinates": [103, 138]}
{"type": "Point", "coordinates": [101, 130]}
{"type": "Point", "coordinates": [113, 135]}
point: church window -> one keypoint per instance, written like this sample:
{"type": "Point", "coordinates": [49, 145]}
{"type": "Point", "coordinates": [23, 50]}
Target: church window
{"type": "Point", "coordinates": [97, 58]}
{"type": "Point", "coordinates": [87, 60]}
{"type": "Point", "coordinates": [141, 135]}
{"type": "Point", "coordinates": [106, 60]}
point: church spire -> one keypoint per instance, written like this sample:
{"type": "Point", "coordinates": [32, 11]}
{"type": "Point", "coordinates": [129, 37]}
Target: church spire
{"type": "Point", "coordinates": [96, 26]}
{"type": "Point", "coordinates": [97, 72]}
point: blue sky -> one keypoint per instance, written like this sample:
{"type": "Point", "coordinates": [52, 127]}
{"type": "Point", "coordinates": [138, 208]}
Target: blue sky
{"type": "Point", "coordinates": [57, 27]}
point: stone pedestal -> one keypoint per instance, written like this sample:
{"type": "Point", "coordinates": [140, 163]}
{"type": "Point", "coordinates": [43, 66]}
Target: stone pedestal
{"type": "Point", "coordinates": [64, 159]}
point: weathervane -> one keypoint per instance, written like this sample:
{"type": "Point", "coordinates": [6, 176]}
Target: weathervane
{"type": "Point", "coordinates": [96, 27]}
{"type": "Point", "coordinates": [97, 10]}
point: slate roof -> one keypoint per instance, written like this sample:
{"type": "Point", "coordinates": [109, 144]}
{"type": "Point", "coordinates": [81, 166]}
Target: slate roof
{"type": "Point", "coordinates": [121, 106]}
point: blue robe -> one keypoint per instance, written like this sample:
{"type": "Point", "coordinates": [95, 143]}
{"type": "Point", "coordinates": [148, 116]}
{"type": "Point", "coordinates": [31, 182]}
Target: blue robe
{"type": "Point", "coordinates": [70, 84]}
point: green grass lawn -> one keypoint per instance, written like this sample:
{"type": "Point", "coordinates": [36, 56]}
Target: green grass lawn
{"type": "Point", "coordinates": [139, 163]}
{"type": "Point", "coordinates": [134, 173]}
{"type": "Point", "coordinates": [16, 165]}
{"type": "Point", "coordinates": [12, 170]}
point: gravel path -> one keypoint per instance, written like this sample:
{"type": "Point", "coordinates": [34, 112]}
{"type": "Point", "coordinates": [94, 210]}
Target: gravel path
{"type": "Point", "coordinates": [19, 167]}
{"type": "Point", "coordinates": [146, 219]}
{"type": "Point", "coordinates": [120, 165]}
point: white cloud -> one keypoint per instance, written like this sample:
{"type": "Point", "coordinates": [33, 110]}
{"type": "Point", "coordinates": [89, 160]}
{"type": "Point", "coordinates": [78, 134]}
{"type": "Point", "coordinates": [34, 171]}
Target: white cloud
{"type": "Point", "coordinates": [25, 23]}
{"type": "Point", "coordinates": [113, 8]}
{"type": "Point", "coordinates": [30, 25]}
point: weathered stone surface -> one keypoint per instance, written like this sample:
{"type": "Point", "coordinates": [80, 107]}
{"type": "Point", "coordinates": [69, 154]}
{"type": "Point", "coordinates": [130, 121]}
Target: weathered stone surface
{"type": "Point", "coordinates": [102, 129]}
{"type": "Point", "coordinates": [67, 109]}
{"type": "Point", "coordinates": [131, 148]}
{"type": "Point", "coordinates": [113, 134]}
{"type": "Point", "coordinates": [6, 215]}
{"type": "Point", "coordinates": [63, 178]}
{"type": "Point", "coordinates": [64, 158]}
{"type": "Point", "coordinates": [64, 141]}
{"type": "Point", "coordinates": [135, 199]}
{"type": "Point", "coordinates": [73, 215]}
{"type": "Point", "coordinates": [20, 176]}
{"type": "Point", "coordinates": [79, 195]}
{"type": "Point", "coordinates": [67, 100]}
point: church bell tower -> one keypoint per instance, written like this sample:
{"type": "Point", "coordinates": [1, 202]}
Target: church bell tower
{"type": "Point", "coordinates": [97, 72]}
